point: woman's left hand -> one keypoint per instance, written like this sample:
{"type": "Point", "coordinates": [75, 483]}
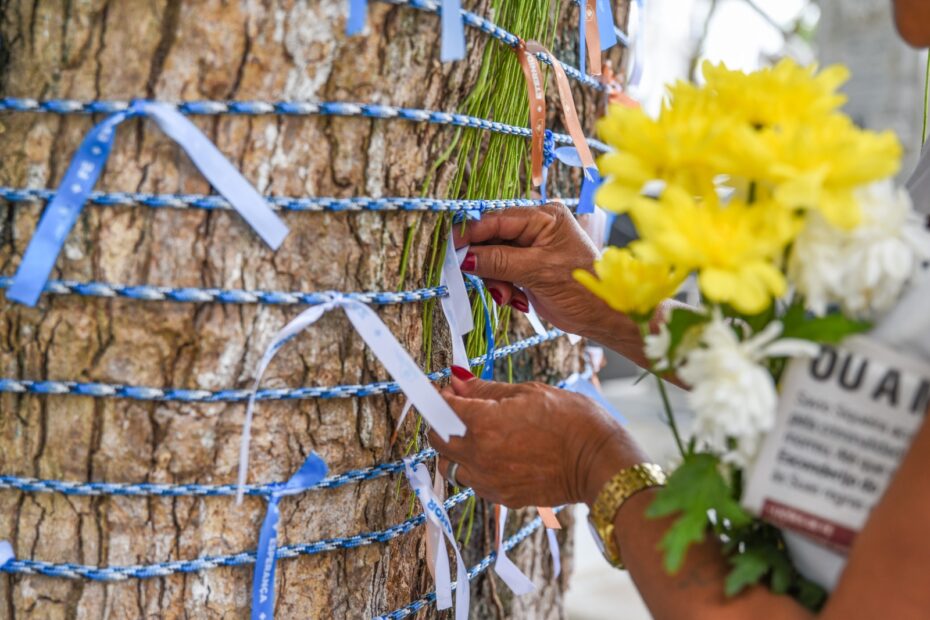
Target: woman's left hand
{"type": "Point", "coordinates": [532, 444]}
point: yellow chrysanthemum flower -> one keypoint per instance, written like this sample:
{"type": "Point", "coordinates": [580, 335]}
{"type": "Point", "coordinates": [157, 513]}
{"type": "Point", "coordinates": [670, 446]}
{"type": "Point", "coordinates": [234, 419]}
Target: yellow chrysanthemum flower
{"type": "Point", "coordinates": [682, 147]}
{"type": "Point", "coordinates": [782, 95]}
{"type": "Point", "coordinates": [734, 247]}
{"type": "Point", "coordinates": [820, 165]}
{"type": "Point", "coordinates": [628, 284]}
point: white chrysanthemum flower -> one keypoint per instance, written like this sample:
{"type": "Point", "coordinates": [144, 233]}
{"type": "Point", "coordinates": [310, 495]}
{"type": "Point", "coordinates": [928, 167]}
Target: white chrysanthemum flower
{"type": "Point", "coordinates": [732, 395]}
{"type": "Point", "coordinates": [656, 346]}
{"type": "Point", "coordinates": [865, 269]}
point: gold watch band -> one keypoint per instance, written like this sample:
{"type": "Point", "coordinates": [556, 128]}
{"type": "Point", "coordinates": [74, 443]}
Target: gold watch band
{"type": "Point", "coordinates": [614, 493]}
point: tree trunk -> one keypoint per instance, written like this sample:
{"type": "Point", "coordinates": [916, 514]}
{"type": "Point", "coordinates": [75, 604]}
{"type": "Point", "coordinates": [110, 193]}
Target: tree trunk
{"type": "Point", "coordinates": [249, 50]}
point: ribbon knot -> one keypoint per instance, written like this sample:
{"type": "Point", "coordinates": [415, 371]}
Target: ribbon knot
{"type": "Point", "coordinates": [266, 555]}
{"type": "Point", "coordinates": [386, 348]}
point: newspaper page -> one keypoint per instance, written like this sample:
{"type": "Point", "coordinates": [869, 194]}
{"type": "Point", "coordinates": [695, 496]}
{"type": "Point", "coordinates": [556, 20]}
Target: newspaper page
{"type": "Point", "coordinates": [845, 420]}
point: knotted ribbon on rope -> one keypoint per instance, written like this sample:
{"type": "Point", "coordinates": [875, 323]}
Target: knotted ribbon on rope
{"type": "Point", "coordinates": [438, 520]}
{"type": "Point", "coordinates": [311, 472]}
{"type": "Point", "coordinates": [389, 352]}
{"type": "Point", "coordinates": [452, 46]}
{"type": "Point", "coordinates": [487, 371]}
{"type": "Point", "coordinates": [62, 211]}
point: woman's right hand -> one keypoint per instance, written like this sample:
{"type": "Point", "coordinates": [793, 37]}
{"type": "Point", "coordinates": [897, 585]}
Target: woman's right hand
{"type": "Point", "coordinates": [537, 249]}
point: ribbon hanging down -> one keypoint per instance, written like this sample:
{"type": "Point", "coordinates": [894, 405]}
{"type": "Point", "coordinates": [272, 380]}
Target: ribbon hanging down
{"type": "Point", "coordinates": [509, 572]}
{"type": "Point", "coordinates": [536, 95]}
{"type": "Point", "coordinates": [453, 31]}
{"type": "Point", "coordinates": [358, 13]}
{"type": "Point", "coordinates": [438, 519]}
{"type": "Point", "coordinates": [389, 352]}
{"type": "Point", "coordinates": [6, 552]}
{"type": "Point", "coordinates": [62, 211]}
{"type": "Point", "coordinates": [311, 472]}
{"type": "Point", "coordinates": [456, 307]}
{"type": "Point", "coordinates": [570, 118]}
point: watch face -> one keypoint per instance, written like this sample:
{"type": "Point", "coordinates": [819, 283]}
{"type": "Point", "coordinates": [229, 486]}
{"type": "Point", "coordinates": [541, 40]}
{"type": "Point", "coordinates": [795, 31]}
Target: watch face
{"type": "Point", "coordinates": [597, 539]}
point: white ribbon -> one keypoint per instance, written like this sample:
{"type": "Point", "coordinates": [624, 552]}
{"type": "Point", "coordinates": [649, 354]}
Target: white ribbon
{"type": "Point", "coordinates": [509, 572]}
{"type": "Point", "coordinates": [437, 518]}
{"type": "Point", "coordinates": [389, 352]}
{"type": "Point", "coordinates": [220, 172]}
{"type": "Point", "coordinates": [455, 306]}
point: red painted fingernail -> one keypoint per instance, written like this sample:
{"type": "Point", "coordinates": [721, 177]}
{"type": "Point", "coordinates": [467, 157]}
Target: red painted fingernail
{"type": "Point", "coordinates": [520, 305]}
{"type": "Point", "coordinates": [462, 373]}
{"type": "Point", "coordinates": [496, 295]}
{"type": "Point", "coordinates": [470, 262]}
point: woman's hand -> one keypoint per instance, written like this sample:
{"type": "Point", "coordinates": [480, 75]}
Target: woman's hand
{"type": "Point", "coordinates": [537, 249]}
{"type": "Point", "coordinates": [531, 444]}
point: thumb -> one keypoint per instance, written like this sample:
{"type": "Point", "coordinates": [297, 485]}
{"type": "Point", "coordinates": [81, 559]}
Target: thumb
{"type": "Point", "coordinates": [503, 262]}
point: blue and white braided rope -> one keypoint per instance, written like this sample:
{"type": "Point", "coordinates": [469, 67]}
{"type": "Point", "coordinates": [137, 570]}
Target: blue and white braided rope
{"type": "Point", "coordinates": [287, 108]}
{"type": "Point", "coordinates": [493, 30]}
{"type": "Point", "coordinates": [136, 392]}
{"type": "Point", "coordinates": [283, 203]}
{"type": "Point", "coordinates": [163, 569]}
{"type": "Point", "coordinates": [148, 489]}
{"type": "Point", "coordinates": [230, 296]}
{"type": "Point", "coordinates": [474, 571]}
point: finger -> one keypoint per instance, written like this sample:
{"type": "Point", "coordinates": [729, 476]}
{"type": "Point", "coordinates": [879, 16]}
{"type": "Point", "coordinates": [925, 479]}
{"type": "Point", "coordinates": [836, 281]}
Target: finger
{"type": "Point", "coordinates": [462, 475]}
{"type": "Point", "coordinates": [501, 292]}
{"type": "Point", "coordinates": [519, 225]}
{"type": "Point", "coordinates": [520, 301]}
{"type": "Point", "coordinates": [503, 262]}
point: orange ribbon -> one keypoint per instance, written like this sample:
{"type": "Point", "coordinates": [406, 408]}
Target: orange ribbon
{"type": "Point", "coordinates": [593, 36]}
{"type": "Point", "coordinates": [536, 93]}
{"type": "Point", "coordinates": [569, 113]}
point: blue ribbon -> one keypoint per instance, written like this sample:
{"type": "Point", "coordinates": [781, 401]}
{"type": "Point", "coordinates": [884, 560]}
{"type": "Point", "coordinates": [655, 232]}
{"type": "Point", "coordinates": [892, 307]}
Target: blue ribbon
{"type": "Point", "coordinates": [568, 155]}
{"type": "Point", "coordinates": [487, 371]}
{"type": "Point", "coordinates": [581, 385]}
{"type": "Point", "coordinates": [312, 471]}
{"type": "Point", "coordinates": [63, 210]}
{"type": "Point", "coordinates": [590, 183]}
{"type": "Point", "coordinates": [6, 553]}
{"type": "Point", "coordinates": [453, 31]}
{"type": "Point", "coordinates": [605, 24]}
{"type": "Point", "coordinates": [88, 163]}
{"type": "Point", "coordinates": [358, 11]}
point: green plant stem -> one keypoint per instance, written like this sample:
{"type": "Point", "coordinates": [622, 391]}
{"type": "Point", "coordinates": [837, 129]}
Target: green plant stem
{"type": "Point", "coordinates": [673, 424]}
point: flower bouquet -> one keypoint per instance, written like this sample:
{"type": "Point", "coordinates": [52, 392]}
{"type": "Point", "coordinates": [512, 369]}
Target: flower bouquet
{"type": "Point", "coordinates": [783, 212]}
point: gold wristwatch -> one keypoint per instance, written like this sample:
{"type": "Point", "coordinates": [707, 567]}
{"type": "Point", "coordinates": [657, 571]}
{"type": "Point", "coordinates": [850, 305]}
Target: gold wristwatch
{"type": "Point", "coordinates": [617, 490]}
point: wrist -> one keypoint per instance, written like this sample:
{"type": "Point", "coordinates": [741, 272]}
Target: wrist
{"type": "Point", "coordinates": [611, 452]}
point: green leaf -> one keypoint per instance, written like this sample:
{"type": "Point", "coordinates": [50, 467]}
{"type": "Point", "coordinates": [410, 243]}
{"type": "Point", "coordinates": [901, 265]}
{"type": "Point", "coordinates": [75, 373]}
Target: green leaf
{"type": "Point", "coordinates": [692, 490]}
{"type": "Point", "coordinates": [679, 322]}
{"type": "Point", "coordinates": [748, 569]}
{"type": "Point", "coordinates": [829, 329]}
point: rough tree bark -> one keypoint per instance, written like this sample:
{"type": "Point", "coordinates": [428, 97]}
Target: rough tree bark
{"type": "Point", "coordinates": [172, 50]}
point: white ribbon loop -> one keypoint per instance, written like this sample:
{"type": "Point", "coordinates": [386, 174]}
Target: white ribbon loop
{"type": "Point", "coordinates": [509, 572]}
{"type": "Point", "coordinates": [389, 352]}
{"type": "Point", "coordinates": [438, 518]}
